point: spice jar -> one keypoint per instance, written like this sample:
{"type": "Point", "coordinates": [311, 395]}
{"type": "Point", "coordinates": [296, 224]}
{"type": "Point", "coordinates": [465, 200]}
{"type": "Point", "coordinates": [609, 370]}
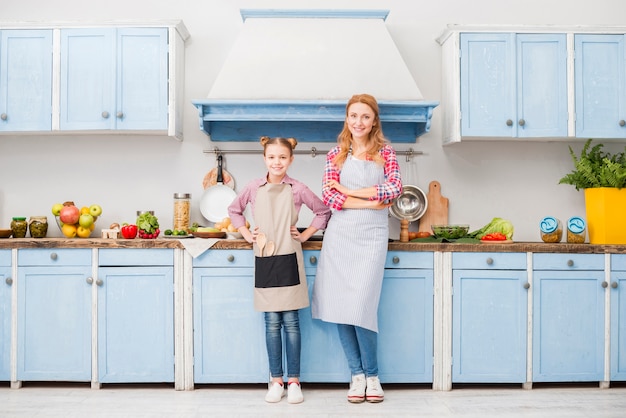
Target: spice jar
{"type": "Point", "coordinates": [38, 226]}
{"type": "Point", "coordinates": [182, 204]}
{"type": "Point", "coordinates": [551, 229]}
{"type": "Point", "coordinates": [576, 230]}
{"type": "Point", "coordinates": [19, 227]}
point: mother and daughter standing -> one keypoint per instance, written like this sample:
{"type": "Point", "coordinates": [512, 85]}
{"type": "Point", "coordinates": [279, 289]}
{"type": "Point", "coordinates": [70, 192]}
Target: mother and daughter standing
{"type": "Point", "coordinates": [361, 178]}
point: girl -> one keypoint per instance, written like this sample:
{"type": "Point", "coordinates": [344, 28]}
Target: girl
{"type": "Point", "coordinates": [280, 282]}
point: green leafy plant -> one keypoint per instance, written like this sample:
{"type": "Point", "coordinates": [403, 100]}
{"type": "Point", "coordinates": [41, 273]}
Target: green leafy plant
{"type": "Point", "coordinates": [596, 168]}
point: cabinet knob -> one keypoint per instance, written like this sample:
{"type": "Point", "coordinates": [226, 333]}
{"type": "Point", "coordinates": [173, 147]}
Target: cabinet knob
{"type": "Point", "coordinates": [522, 122]}
{"type": "Point", "coordinates": [489, 261]}
{"type": "Point", "coordinates": [89, 280]}
{"type": "Point", "coordinates": [509, 122]}
{"type": "Point", "coordinates": [614, 285]}
{"type": "Point", "coordinates": [230, 258]}
{"type": "Point", "coordinates": [53, 256]}
{"type": "Point", "coordinates": [9, 281]}
{"type": "Point", "coordinates": [105, 114]}
{"type": "Point", "coordinates": [313, 259]}
{"type": "Point", "coordinates": [526, 285]}
{"type": "Point", "coordinates": [120, 115]}
{"type": "Point", "coordinates": [605, 284]}
{"type": "Point", "coordinates": [622, 122]}
{"type": "Point", "coordinates": [99, 282]}
{"type": "Point", "coordinates": [5, 117]}
{"type": "Point", "coordinates": [570, 263]}
{"type": "Point", "coordinates": [395, 260]}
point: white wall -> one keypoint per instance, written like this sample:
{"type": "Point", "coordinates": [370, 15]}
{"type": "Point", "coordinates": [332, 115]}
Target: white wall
{"type": "Point", "coordinates": [516, 180]}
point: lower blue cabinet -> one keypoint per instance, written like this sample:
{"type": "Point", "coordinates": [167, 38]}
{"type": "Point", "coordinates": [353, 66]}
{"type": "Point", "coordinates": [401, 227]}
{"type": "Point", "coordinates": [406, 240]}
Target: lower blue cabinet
{"type": "Point", "coordinates": [135, 315]}
{"type": "Point", "coordinates": [618, 317]}
{"type": "Point", "coordinates": [6, 284]}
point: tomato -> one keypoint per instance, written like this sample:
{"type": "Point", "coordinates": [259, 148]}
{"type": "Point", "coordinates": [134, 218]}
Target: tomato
{"type": "Point", "coordinates": [494, 236]}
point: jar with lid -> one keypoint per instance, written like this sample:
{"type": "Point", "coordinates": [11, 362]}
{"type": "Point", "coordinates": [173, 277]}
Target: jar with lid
{"type": "Point", "coordinates": [551, 229]}
{"type": "Point", "coordinates": [19, 226]}
{"type": "Point", "coordinates": [38, 226]}
{"type": "Point", "coordinates": [576, 230]}
{"type": "Point", "coordinates": [182, 204]}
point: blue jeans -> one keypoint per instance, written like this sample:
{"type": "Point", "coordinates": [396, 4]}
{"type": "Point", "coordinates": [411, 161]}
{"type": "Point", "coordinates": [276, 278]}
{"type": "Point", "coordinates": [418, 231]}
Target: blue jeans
{"type": "Point", "coordinates": [360, 346]}
{"type": "Point", "coordinates": [290, 322]}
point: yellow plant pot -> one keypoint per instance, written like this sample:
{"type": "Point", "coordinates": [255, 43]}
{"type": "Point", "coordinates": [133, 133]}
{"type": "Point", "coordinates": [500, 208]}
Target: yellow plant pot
{"type": "Point", "coordinates": [606, 221]}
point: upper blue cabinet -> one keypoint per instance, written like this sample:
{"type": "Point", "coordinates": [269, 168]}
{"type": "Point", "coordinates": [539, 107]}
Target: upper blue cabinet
{"type": "Point", "coordinates": [600, 73]}
{"type": "Point", "coordinates": [25, 80]}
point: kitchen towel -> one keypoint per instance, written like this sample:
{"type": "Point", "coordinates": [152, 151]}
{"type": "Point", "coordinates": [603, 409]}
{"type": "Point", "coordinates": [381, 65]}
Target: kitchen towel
{"type": "Point", "coordinates": [197, 246]}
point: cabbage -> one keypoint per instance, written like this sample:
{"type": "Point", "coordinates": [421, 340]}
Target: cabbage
{"type": "Point", "coordinates": [496, 225]}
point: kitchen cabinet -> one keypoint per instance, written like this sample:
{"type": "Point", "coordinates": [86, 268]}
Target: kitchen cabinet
{"type": "Point", "coordinates": [489, 317]}
{"type": "Point", "coordinates": [568, 317]}
{"type": "Point", "coordinates": [228, 334]}
{"type": "Point", "coordinates": [135, 315]}
{"type": "Point", "coordinates": [25, 80]}
{"type": "Point", "coordinates": [54, 314]}
{"type": "Point", "coordinates": [6, 284]}
{"type": "Point", "coordinates": [114, 79]}
{"type": "Point", "coordinates": [618, 317]}
{"type": "Point", "coordinates": [600, 76]}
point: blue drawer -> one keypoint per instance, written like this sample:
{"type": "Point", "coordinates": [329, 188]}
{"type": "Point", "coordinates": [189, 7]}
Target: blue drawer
{"type": "Point", "coordinates": [5, 258]}
{"type": "Point", "coordinates": [54, 257]}
{"type": "Point", "coordinates": [225, 258]}
{"type": "Point", "coordinates": [487, 261]}
{"type": "Point", "coordinates": [311, 258]}
{"type": "Point", "coordinates": [558, 261]}
{"type": "Point", "coordinates": [618, 262]}
{"type": "Point", "coordinates": [136, 257]}
{"type": "Point", "coordinates": [409, 260]}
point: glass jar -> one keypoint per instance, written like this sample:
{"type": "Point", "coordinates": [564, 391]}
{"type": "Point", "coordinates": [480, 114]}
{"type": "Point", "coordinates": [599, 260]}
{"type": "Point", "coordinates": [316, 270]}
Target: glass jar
{"type": "Point", "coordinates": [576, 230]}
{"type": "Point", "coordinates": [38, 226]}
{"type": "Point", "coordinates": [19, 227]}
{"type": "Point", "coordinates": [551, 229]}
{"type": "Point", "coordinates": [182, 205]}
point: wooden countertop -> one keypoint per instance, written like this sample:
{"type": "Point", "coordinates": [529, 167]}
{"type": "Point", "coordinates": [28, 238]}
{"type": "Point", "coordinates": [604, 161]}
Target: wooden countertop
{"type": "Point", "coordinates": [239, 244]}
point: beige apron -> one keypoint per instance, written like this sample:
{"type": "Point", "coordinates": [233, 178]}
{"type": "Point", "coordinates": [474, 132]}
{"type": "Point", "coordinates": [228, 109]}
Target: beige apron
{"type": "Point", "coordinates": [280, 279]}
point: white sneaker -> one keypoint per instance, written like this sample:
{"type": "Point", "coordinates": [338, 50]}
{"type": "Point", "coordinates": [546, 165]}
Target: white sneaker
{"type": "Point", "coordinates": [294, 393]}
{"type": "Point", "coordinates": [374, 392]}
{"type": "Point", "coordinates": [275, 393]}
{"type": "Point", "coordinates": [356, 394]}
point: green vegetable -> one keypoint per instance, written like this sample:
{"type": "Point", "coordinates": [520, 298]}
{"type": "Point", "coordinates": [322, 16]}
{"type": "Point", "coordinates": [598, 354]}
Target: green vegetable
{"type": "Point", "coordinates": [596, 168]}
{"type": "Point", "coordinates": [168, 232]}
{"type": "Point", "coordinates": [496, 225]}
{"type": "Point", "coordinates": [147, 222]}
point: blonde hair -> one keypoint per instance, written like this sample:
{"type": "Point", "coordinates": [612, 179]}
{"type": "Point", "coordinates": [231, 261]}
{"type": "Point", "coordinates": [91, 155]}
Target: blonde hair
{"type": "Point", "coordinates": [376, 137]}
{"type": "Point", "coordinates": [286, 142]}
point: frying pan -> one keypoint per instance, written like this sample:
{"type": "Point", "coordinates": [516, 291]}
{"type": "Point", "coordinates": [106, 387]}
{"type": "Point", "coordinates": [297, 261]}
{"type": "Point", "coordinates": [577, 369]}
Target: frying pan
{"type": "Point", "coordinates": [216, 199]}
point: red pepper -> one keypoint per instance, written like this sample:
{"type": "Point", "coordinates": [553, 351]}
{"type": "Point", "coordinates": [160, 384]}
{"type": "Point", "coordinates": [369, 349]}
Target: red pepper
{"type": "Point", "coordinates": [494, 236]}
{"type": "Point", "coordinates": [129, 231]}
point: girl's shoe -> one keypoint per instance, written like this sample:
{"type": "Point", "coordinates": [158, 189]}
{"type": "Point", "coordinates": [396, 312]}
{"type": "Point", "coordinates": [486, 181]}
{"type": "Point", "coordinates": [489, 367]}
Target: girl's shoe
{"type": "Point", "coordinates": [294, 393]}
{"type": "Point", "coordinates": [356, 394]}
{"type": "Point", "coordinates": [275, 393]}
{"type": "Point", "coordinates": [374, 392]}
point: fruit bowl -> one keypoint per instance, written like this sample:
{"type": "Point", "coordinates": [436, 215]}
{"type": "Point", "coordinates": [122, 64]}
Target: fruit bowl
{"type": "Point", "coordinates": [74, 230]}
{"type": "Point", "coordinates": [450, 231]}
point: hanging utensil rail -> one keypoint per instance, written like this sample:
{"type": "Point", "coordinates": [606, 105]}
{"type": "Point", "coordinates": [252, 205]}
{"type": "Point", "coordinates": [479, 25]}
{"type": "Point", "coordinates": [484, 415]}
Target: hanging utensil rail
{"type": "Point", "coordinates": [313, 152]}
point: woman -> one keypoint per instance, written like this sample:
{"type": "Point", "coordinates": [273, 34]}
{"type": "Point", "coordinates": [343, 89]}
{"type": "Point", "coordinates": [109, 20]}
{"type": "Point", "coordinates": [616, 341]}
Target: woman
{"type": "Point", "coordinates": [361, 178]}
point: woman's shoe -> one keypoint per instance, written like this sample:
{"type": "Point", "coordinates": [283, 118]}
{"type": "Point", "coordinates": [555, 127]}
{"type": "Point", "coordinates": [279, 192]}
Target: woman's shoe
{"type": "Point", "coordinates": [275, 393]}
{"type": "Point", "coordinates": [356, 394]}
{"type": "Point", "coordinates": [294, 393]}
{"type": "Point", "coordinates": [374, 392]}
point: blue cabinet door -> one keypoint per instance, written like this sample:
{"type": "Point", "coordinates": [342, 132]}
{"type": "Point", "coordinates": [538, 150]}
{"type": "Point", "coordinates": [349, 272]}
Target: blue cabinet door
{"type": "Point", "coordinates": [229, 335]}
{"type": "Point", "coordinates": [25, 80]}
{"type": "Point", "coordinates": [489, 318]}
{"type": "Point", "coordinates": [600, 77]}
{"type": "Point", "coordinates": [568, 325]}
{"type": "Point", "coordinates": [135, 324]}
{"type": "Point", "coordinates": [6, 284]}
{"type": "Point", "coordinates": [618, 317]}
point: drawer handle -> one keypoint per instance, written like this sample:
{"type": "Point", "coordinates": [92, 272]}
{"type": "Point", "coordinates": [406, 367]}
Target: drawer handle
{"type": "Point", "coordinates": [605, 284]}
{"type": "Point", "coordinates": [9, 281]}
{"type": "Point", "coordinates": [614, 285]}
{"type": "Point", "coordinates": [522, 122]}
{"type": "Point", "coordinates": [230, 258]}
{"type": "Point", "coordinates": [509, 122]}
{"type": "Point", "coordinates": [99, 282]}
{"type": "Point", "coordinates": [120, 115]}
{"type": "Point", "coordinates": [489, 261]}
{"type": "Point", "coordinates": [89, 280]}
{"type": "Point", "coordinates": [570, 263]}
{"type": "Point", "coordinates": [621, 122]}
{"type": "Point", "coordinates": [395, 260]}
{"type": "Point", "coordinates": [105, 114]}
{"type": "Point", "coordinates": [53, 256]}
{"type": "Point", "coordinates": [4, 116]}
{"type": "Point", "coordinates": [526, 285]}
{"type": "Point", "coordinates": [313, 259]}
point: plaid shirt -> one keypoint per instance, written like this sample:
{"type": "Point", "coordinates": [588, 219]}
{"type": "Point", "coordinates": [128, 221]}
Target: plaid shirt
{"type": "Point", "coordinates": [390, 189]}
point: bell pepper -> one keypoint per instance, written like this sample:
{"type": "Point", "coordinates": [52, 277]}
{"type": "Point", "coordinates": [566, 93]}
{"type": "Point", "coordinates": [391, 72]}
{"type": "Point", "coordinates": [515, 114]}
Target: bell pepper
{"type": "Point", "coordinates": [129, 231]}
{"type": "Point", "coordinates": [494, 236]}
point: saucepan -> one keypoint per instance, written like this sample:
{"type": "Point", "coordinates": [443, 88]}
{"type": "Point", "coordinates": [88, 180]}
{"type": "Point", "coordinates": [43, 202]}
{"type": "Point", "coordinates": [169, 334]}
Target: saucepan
{"type": "Point", "coordinates": [216, 199]}
{"type": "Point", "coordinates": [410, 205]}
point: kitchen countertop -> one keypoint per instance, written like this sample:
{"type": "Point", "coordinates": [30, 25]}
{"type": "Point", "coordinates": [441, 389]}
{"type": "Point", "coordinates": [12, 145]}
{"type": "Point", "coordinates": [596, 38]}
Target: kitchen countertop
{"type": "Point", "coordinates": [239, 244]}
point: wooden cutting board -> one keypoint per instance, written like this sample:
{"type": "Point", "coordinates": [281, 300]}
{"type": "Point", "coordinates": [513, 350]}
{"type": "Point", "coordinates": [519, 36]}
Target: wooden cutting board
{"type": "Point", "coordinates": [437, 210]}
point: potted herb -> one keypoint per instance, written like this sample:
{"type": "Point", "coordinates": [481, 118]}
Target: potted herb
{"type": "Point", "coordinates": [602, 176]}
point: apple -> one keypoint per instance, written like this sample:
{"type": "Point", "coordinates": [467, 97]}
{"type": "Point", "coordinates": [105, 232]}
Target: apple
{"type": "Point", "coordinates": [56, 209]}
{"type": "Point", "coordinates": [85, 220]}
{"type": "Point", "coordinates": [69, 214]}
{"type": "Point", "coordinates": [83, 232]}
{"type": "Point", "coordinates": [95, 210]}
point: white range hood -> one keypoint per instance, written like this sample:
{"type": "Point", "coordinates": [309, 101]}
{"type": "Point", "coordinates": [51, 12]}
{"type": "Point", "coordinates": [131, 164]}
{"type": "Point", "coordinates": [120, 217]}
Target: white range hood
{"type": "Point", "coordinates": [291, 72]}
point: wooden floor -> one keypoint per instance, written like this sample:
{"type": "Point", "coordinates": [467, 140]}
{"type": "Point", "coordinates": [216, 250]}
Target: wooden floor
{"type": "Point", "coordinates": [66, 400]}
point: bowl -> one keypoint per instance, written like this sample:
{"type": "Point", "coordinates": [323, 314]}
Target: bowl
{"type": "Point", "coordinates": [5, 233]}
{"type": "Point", "coordinates": [450, 231]}
{"type": "Point", "coordinates": [410, 205]}
{"type": "Point", "coordinates": [234, 235]}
